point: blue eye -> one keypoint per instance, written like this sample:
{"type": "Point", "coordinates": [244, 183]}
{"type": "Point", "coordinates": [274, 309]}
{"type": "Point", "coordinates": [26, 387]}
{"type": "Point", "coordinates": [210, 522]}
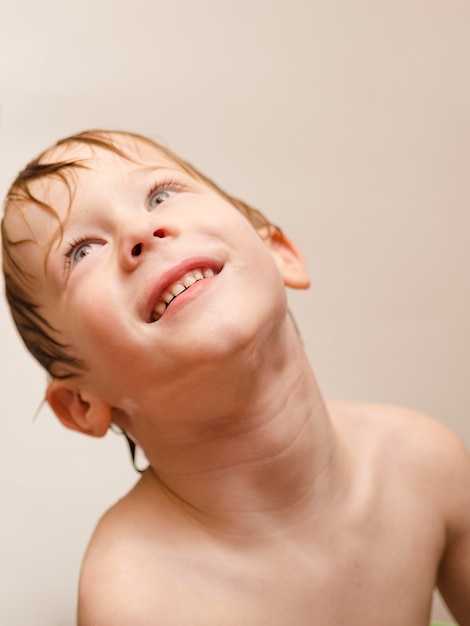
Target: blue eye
{"type": "Point", "coordinates": [81, 252]}
{"type": "Point", "coordinates": [158, 196]}
{"type": "Point", "coordinates": [78, 251]}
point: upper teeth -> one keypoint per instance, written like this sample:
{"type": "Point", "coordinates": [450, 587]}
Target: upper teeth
{"type": "Point", "coordinates": [178, 287]}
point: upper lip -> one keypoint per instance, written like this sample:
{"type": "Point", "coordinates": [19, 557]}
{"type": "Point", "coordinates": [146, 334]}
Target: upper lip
{"type": "Point", "coordinates": [171, 276]}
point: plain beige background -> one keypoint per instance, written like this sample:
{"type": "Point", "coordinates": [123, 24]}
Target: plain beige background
{"type": "Point", "coordinates": [346, 121]}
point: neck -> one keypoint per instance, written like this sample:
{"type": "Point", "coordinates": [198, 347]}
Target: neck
{"type": "Point", "coordinates": [267, 451]}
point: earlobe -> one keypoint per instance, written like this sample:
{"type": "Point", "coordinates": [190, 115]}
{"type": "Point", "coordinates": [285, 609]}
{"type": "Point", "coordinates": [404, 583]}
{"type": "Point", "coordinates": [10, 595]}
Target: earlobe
{"type": "Point", "coordinates": [287, 257]}
{"type": "Point", "coordinates": [78, 410]}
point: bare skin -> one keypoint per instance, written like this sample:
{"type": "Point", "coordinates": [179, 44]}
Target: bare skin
{"type": "Point", "coordinates": [365, 547]}
{"type": "Point", "coordinates": [262, 505]}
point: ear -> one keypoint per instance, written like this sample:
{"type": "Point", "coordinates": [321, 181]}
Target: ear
{"type": "Point", "coordinates": [287, 257]}
{"type": "Point", "coordinates": [78, 410]}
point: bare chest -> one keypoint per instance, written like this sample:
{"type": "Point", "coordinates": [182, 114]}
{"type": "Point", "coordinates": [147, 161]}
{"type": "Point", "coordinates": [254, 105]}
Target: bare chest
{"type": "Point", "coordinates": [376, 577]}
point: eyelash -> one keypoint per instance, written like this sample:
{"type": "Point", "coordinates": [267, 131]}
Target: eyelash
{"type": "Point", "coordinates": [71, 247]}
{"type": "Point", "coordinates": [167, 184]}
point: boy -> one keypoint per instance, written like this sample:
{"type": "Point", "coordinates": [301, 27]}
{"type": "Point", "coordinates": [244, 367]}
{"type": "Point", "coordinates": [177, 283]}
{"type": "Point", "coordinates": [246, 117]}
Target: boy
{"type": "Point", "coordinates": [157, 303]}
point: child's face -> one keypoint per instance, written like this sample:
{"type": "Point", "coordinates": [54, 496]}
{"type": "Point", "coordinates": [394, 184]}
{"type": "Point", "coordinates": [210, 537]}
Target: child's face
{"type": "Point", "coordinates": [137, 234]}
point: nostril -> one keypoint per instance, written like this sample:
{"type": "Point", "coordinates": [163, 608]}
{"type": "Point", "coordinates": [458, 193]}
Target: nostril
{"type": "Point", "coordinates": [160, 233]}
{"type": "Point", "coordinates": [137, 249]}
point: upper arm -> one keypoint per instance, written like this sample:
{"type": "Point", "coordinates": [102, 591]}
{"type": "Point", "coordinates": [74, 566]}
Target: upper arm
{"type": "Point", "coordinates": [109, 595]}
{"type": "Point", "coordinates": [114, 588]}
{"type": "Point", "coordinates": [441, 464]}
{"type": "Point", "coordinates": [454, 571]}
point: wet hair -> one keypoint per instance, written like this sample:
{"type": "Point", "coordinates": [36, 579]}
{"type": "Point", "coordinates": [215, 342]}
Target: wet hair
{"type": "Point", "coordinates": [40, 337]}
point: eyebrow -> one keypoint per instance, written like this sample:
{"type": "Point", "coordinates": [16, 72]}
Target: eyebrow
{"type": "Point", "coordinates": [147, 169]}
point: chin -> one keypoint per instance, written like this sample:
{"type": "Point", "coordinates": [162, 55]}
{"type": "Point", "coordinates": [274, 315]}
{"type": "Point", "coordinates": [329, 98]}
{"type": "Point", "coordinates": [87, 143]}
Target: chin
{"type": "Point", "coordinates": [234, 336]}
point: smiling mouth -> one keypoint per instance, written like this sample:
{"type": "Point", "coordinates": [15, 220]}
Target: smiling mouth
{"type": "Point", "coordinates": [175, 289]}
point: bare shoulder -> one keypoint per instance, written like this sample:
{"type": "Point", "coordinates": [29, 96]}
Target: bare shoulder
{"type": "Point", "coordinates": [420, 448]}
{"type": "Point", "coordinates": [417, 459]}
{"type": "Point", "coordinates": [423, 469]}
{"type": "Point", "coordinates": [405, 431]}
{"type": "Point", "coordinates": [120, 571]}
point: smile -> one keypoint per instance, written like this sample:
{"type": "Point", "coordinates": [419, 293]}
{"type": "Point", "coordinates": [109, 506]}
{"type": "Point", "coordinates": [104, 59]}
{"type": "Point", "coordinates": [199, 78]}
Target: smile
{"type": "Point", "coordinates": [175, 289]}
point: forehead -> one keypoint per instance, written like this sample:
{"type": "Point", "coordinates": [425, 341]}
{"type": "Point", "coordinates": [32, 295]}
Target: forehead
{"type": "Point", "coordinates": [133, 146]}
{"type": "Point", "coordinates": [49, 198]}
{"type": "Point", "coordinates": [114, 150]}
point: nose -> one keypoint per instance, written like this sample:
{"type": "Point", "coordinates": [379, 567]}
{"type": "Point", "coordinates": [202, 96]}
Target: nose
{"type": "Point", "coordinates": [138, 247]}
{"type": "Point", "coordinates": [137, 239]}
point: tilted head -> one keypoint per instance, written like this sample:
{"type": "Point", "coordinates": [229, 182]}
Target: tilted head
{"type": "Point", "coordinates": [39, 202]}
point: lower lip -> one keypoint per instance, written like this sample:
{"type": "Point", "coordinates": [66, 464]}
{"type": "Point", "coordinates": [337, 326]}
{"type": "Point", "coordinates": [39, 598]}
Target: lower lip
{"type": "Point", "coordinates": [185, 297]}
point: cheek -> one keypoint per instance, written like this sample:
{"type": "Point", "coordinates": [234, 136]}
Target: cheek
{"type": "Point", "coordinates": [92, 317]}
{"type": "Point", "coordinates": [102, 341]}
